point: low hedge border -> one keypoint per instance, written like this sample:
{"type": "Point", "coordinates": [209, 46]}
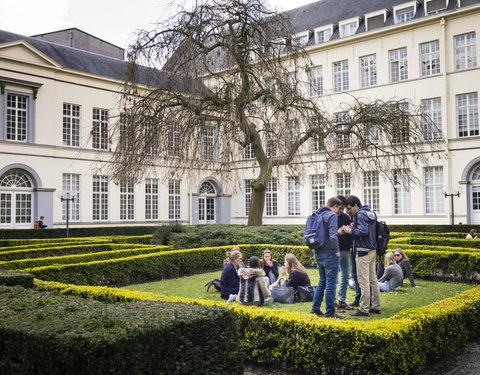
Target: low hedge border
{"type": "Point", "coordinates": [313, 345]}
{"type": "Point", "coordinates": [47, 333]}
{"type": "Point", "coordinates": [43, 241]}
{"type": "Point", "coordinates": [433, 248]}
{"type": "Point", "coordinates": [13, 278]}
{"type": "Point", "coordinates": [452, 242]}
{"type": "Point", "coordinates": [460, 235]}
{"type": "Point", "coordinates": [79, 258]}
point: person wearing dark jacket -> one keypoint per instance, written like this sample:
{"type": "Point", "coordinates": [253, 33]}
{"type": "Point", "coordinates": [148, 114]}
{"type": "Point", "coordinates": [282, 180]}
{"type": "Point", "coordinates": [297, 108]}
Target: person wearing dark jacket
{"type": "Point", "coordinates": [229, 281]}
{"type": "Point", "coordinates": [345, 244]}
{"type": "Point", "coordinates": [297, 274]}
{"type": "Point", "coordinates": [270, 266]}
{"type": "Point", "coordinates": [363, 230]}
{"type": "Point", "coordinates": [404, 264]}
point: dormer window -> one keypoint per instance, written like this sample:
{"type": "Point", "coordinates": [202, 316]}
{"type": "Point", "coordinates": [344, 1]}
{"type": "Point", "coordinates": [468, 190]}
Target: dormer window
{"type": "Point", "coordinates": [435, 6]}
{"type": "Point", "coordinates": [323, 34]}
{"type": "Point", "coordinates": [349, 27]}
{"type": "Point", "coordinates": [300, 40]}
{"type": "Point", "coordinates": [405, 12]}
{"type": "Point", "coordinates": [376, 19]}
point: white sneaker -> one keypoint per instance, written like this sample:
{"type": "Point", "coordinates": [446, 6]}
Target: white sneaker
{"type": "Point", "coordinates": [232, 298]}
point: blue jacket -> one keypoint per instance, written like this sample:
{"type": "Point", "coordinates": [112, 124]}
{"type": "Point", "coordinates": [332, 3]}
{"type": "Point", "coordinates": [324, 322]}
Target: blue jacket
{"type": "Point", "coordinates": [331, 226]}
{"type": "Point", "coordinates": [364, 231]}
{"type": "Point", "coordinates": [229, 281]}
{"type": "Point", "coordinates": [344, 240]}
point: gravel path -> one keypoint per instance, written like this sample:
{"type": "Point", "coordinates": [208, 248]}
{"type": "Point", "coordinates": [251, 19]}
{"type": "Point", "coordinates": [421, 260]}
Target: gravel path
{"type": "Point", "coordinates": [465, 363]}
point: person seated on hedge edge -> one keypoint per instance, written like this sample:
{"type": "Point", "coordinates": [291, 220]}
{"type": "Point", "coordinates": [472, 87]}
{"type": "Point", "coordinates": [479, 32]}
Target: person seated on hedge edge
{"type": "Point", "coordinates": [253, 290]}
{"type": "Point", "coordinates": [392, 277]}
{"type": "Point", "coordinates": [270, 266]}
{"type": "Point", "coordinates": [404, 264]}
{"type": "Point", "coordinates": [472, 233]}
{"type": "Point", "coordinates": [229, 281]}
{"type": "Point", "coordinates": [297, 274]}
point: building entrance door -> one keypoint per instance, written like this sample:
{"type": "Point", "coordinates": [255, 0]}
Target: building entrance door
{"type": "Point", "coordinates": [16, 200]}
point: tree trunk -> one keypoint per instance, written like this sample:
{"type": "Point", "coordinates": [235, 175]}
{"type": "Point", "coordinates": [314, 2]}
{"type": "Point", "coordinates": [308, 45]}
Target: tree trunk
{"type": "Point", "coordinates": [257, 204]}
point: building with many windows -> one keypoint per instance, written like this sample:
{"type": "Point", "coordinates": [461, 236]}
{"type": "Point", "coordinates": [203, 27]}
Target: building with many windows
{"type": "Point", "coordinates": [58, 102]}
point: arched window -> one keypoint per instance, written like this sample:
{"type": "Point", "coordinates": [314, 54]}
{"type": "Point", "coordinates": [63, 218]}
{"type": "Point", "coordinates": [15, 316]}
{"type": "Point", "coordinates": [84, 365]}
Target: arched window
{"type": "Point", "coordinates": [207, 188]}
{"type": "Point", "coordinates": [15, 178]}
{"type": "Point", "coordinates": [476, 174]}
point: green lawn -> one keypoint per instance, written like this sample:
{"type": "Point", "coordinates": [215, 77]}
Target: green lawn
{"type": "Point", "coordinates": [392, 302]}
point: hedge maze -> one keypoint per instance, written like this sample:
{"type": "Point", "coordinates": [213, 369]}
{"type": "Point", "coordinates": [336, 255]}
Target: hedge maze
{"type": "Point", "coordinates": [76, 300]}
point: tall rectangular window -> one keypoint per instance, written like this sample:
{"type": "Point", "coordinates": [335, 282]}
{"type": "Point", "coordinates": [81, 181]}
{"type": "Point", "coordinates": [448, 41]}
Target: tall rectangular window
{"type": "Point", "coordinates": [209, 142]}
{"type": "Point", "coordinates": [342, 141]}
{"type": "Point", "coordinates": [151, 199]}
{"type": "Point", "coordinates": [271, 142]}
{"type": "Point", "coordinates": [17, 117]}
{"type": "Point", "coordinates": [248, 196]}
{"type": "Point", "coordinates": [433, 190]}
{"type": "Point", "coordinates": [467, 115]}
{"type": "Point", "coordinates": [173, 141]}
{"type": "Point", "coordinates": [398, 65]}
{"type": "Point", "coordinates": [100, 198]}
{"type": "Point", "coordinates": [127, 200]}
{"type": "Point", "coordinates": [465, 51]}
{"type": "Point", "coordinates": [71, 125]}
{"type": "Point", "coordinates": [368, 71]}
{"type": "Point", "coordinates": [71, 183]}
{"type": "Point", "coordinates": [340, 76]}
{"type": "Point", "coordinates": [370, 134]}
{"type": "Point", "coordinates": [316, 141]}
{"type": "Point", "coordinates": [432, 119]}
{"type": "Point", "coordinates": [342, 185]}
{"type": "Point", "coordinates": [401, 192]}
{"type": "Point", "coordinates": [317, 183]}
{"type": "Point", "coordinates": [100, 129]}
{"type": "Point", "coordinates": [293, 195]}
{"type": "Point", "coordinates": [248, 152]}
{"type": "Point", "coordinates": [316, 81]}
{"type": "Point", "coordinates": [401, 131]}
{"type": "Point", "coordinates": [371, 190]}
{"type": "Point", "coordinates": [430, 58]}
{"type": "Point", "coordinates": [271, 202]}
{"type": "Point", "coordinates": [174, 200]}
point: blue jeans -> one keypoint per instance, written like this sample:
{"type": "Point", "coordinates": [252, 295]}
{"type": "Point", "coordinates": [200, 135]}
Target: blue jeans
{"type": "Point", "coordinates": [327, 263]}
{"type": "Point", "coordinates": [344, 271]}
{"type": "Point", "coordinates": [358, 291]}
{"type": "Point", "coordinates": [384, 287]}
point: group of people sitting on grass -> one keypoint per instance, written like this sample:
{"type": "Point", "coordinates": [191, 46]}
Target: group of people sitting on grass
{"type": "Point", "coordinates": [253, 284]}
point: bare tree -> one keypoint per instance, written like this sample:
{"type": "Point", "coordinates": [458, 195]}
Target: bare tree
{"type": "Point", "coordinates": [224, 78]}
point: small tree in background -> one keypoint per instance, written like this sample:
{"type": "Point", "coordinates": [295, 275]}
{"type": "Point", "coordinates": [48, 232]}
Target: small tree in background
{"type": "Point", "coordinates": [226, 81]}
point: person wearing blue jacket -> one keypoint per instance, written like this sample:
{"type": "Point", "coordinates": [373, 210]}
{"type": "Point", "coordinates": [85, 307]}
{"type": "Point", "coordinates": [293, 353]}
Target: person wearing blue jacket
{"type": "Point", "coordinates": [230, 281]}
{"type": "Point", "coordinates": [363, 230]}
{"type": "Point", "coordinates": [327, 260]}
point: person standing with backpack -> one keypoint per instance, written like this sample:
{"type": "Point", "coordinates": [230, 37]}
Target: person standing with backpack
{"type": "Point", "coordinates": [363, 230]}
{"type": "Point", "coordinates": [327, 255]}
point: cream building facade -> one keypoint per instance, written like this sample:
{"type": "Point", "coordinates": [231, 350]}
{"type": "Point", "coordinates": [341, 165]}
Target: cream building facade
{"type": "Point", "coordinates": [58, 103]}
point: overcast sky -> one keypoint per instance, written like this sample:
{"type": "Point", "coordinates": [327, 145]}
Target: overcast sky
{"type": "Point", "coordinates": [112, 20]}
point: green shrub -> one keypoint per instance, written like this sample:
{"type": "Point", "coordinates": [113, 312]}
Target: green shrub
{"type": "Point", "coordinates": [44, 241]}
{"type": "Point", "coordinates": [436, 241]}
{"type": "Point", "coordinates": [12, 278]}
{"type": "Point", "coordinates": [162, 233]}
{"type": "Point", "coordinates": [45, 333]}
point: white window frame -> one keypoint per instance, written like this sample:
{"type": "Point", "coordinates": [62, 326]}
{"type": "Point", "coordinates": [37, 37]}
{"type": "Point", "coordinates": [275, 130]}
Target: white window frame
{"type": "Point", "coordinates": [71, 182]}
{"type": "Point", "coordinates": [342, 141]}
{"type": "Point", "coordinates": [323, 34]}
{"type": "Point", "coordinates": [209, 142]}
{"type": "Point", "coordinates": [465, 51]}
{"type": "Point", "coordinates": [315, 75]}
{"type": "Point", "coordinates": [343, 184]}
{"type": "Point", "coordinates": [271, 198]}
{"type": "Point", "coordinates": [248, 196]}
{"type": "Point", "coordinates": [432, 118]}
{"type": "Point", "coordinates": [429, 13]}
{"type": "Point", "coordinates": [100, 120]}
{"type": "Point", "coordinates": [293, 196]}
{"type": "Point", "coordinates": [71, 124]}
{"type": "Point", "coordinates": [127, 200]}
{"type": "Point", "coordinates": [317, 185]}
{"type": "Point", "coordinates": [340, 76]}
{"type": "Point", "coordinates": [383, 12]}
{"type": "Point", "coordinates": [430, 58]}
{"type": "Point", "coordinates": [100, 198]}
{"type": "Point", "coordinates": [174, 200]}
{"type": "Point", "coordinates": [151, 199]}
{"type": "Point", "coordinates": [173, 141]}
{"type": "Point", "coordinates": [348, 27]}
{"type": "Point", "coordinates": [433, 190]}
{"type": "Point", "coordinates": [300, 40]}
{"type": "Point", "coordinates": [18, 121]}
{"type": "Point", "coordinates": [247, 152]}
{"type": "Point", "coordinates": [371, 190]}
{"type": "Point", "coordinates": [401, 192]}
{"type": "Point", "coordinates": [398, 59]}
{"type": "Point", "coordinates": [467, 114]}
{"type": "Point", "coordinates": [368, 71]}
{"type": "Point", "coordinates": [399, 12]}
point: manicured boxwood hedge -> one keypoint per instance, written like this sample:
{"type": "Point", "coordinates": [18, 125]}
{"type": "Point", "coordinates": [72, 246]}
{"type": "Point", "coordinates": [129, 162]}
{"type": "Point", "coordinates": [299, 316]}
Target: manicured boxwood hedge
{"type": "Point", "coordinates": [402, 344]}
{"type": "Point", "coordinates": [13, 278]}
{"type": "Point", "coordinates": [437, 241]}
{"type": "Point", "coordinates": [46, 333]}
{"type": "Point", "coordinates": [77, 232]}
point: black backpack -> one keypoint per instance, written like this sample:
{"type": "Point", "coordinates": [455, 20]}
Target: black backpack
{"type": "Point", "coordinates": [383, 236]}
{"type": "Point", "coordinates": [216, 284]}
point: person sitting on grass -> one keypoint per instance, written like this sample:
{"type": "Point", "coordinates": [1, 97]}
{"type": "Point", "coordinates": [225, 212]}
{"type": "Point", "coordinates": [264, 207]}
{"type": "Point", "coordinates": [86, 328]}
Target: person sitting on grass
{"type": "Point", "coordinates": [404, 264]}
{"type": "Point", "coordinates": [297, 274]}
{"type": "Point", "coordinates": [472, 234]}
{"type": "Point", "coordinates": [229, 281]}
{"type": "Point", "coordinates": [270, 266]}
{"type": "Point", "coordinates": [253, 290]}
{"type": "Point", "coordinates": [392, 277]}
